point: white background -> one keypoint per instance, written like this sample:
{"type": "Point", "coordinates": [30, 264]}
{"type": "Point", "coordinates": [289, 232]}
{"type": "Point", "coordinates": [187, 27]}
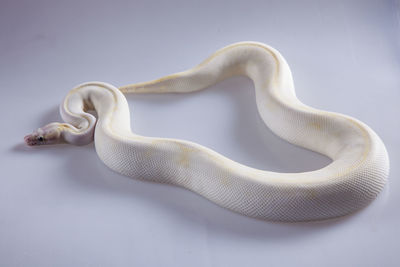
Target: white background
{"type": "Point", "coordinates": [60, 206]}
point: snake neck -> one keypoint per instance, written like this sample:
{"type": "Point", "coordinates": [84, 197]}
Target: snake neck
{"type": "Point", "coordinates": [106, 100]}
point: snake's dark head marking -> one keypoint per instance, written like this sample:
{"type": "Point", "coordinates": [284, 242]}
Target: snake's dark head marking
{"type": "Point", "coordinates": [47, 135]}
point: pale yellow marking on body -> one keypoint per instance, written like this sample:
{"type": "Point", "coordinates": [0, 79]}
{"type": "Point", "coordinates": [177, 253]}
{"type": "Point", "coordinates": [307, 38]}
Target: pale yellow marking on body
{"type": "Point", "coordinates": [316, 125]}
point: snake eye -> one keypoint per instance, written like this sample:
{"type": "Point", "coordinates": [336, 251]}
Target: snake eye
{"type": "Point", "coordinates": [40, 139]}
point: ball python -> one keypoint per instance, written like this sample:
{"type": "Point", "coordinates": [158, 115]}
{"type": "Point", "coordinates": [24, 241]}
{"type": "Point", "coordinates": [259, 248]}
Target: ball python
{"type": "Point", "coordinates": [356, 175]}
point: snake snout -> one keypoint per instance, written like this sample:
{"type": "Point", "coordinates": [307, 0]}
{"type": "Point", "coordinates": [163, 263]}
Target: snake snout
{"type": "Point", "coordinates": [34, 139]}
{"type": "Point", "coordinates": [31, 140]}
{"type": "Point", "coordinates": [47, 135]}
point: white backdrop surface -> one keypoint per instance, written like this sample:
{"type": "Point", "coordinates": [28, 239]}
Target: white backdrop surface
{"type": "Point", "coordinates": [60, 206]}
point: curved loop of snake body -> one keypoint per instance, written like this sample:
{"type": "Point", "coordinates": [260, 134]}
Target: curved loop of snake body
{"type": "Point", "coordinates": [356, 175]}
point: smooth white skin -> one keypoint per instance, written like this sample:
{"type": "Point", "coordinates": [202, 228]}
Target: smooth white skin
{"type": "Point", "coordinates": [356, 175]}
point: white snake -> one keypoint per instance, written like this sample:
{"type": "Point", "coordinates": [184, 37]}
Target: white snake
{"type": "Point", "coordinates": [358, 171]}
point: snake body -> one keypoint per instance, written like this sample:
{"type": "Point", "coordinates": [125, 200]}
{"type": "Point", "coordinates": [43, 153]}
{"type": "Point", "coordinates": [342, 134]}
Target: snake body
{"type": "Point", "coordinates": [358, 171]}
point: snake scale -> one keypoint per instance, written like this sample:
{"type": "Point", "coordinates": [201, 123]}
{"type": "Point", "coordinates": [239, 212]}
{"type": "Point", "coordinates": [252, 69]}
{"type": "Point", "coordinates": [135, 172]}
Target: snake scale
{"type": "Point", "coordinates": [356, 175]}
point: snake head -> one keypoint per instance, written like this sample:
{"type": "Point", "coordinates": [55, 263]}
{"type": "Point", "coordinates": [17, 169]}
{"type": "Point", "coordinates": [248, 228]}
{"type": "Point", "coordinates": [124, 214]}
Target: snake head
{"type": "Point", "coordinates": [47, 135]}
